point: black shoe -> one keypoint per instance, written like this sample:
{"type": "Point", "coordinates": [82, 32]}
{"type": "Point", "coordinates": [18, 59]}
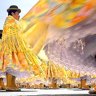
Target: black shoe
{"type": "Point", "coordinates": [92, 92]}
{"type": "Point", "coordinates": [13, 90]}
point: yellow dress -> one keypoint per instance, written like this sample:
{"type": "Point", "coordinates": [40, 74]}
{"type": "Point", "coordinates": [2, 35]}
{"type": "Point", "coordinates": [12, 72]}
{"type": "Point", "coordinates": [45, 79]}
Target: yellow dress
{"type": "Point", "coordinates": [15, 53]}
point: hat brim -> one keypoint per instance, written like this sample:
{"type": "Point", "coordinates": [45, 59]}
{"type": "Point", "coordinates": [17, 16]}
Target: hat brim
{"type": "Point", "coordinates": [19, 10]}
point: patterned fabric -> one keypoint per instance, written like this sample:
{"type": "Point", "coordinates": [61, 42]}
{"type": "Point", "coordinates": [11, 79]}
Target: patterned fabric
{"type": "Point", "coordinates": [65, 12]}
{"type": "Point", "coordinates": [59, 13]}
{"type": "Point", "coordinates": [15, 52]}
{"type": "Point", "coordinates": [66, 15]}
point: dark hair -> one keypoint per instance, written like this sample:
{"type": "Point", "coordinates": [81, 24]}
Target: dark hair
{"type": "Point", "coordinates": [10, 12]}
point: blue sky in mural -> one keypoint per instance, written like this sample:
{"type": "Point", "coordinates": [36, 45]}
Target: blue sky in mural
{"type": "Point", "coordinates": [24, 5]}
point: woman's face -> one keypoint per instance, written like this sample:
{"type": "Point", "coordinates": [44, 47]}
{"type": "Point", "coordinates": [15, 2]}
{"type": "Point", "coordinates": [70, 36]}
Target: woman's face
{"type": "Point", "coordinates": [16, 15]}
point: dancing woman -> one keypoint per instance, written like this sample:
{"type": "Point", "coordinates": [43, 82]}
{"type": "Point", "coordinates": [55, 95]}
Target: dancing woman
{"type": "Point", "coordinates": [16, 56]}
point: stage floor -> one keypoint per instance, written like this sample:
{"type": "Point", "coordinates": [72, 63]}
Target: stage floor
{"type": "Point", "coordinates": [47, 92]}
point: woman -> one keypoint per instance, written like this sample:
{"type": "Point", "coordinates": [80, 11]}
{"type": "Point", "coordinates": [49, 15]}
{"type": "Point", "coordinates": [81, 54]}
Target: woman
{"type": "Point", "coordinates": [15, 54]}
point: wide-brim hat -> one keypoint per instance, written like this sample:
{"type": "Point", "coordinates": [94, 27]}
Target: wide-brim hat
{"type": "Point", "coordinates": [13, 7]}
